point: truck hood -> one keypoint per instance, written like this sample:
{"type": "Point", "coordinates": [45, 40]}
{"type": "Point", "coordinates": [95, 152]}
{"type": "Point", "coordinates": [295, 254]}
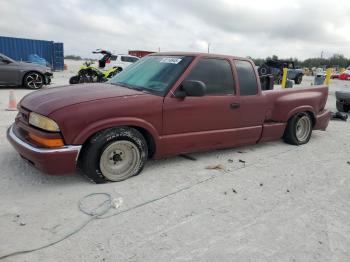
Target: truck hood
{"type": "Point", "coordinates": [49, 100]}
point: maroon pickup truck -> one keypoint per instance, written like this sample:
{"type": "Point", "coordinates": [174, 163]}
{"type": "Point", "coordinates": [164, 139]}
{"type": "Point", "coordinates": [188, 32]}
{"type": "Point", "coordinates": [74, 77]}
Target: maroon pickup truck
{"type": "Point", "coordinates": [165, 104]}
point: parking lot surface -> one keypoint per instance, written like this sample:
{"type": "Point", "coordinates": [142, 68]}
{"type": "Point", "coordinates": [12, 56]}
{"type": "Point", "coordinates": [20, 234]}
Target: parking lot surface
{"type": "Point", "coordinates": [265, 202]}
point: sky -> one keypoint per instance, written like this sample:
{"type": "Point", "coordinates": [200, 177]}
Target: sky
{"type": "Point", "coordinates": [256, 28]}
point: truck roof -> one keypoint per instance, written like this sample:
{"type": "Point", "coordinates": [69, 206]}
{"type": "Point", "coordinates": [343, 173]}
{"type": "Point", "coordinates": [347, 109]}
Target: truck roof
{"type": "Point", "coordinates": [198, 54]}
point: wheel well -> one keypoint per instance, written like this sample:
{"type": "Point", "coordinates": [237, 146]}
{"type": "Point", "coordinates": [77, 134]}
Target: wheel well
{"type": "Point", "coordinates": [311, 114]}
{"type": "Point", "coordinates": [33, 71]}
{"type": "Point", "coordinates": [148, 137]}
{"type": "Point", "coordinates": [313, 118]}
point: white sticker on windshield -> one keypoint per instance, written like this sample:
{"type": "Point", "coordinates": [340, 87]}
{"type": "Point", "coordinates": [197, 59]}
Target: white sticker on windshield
{"type": "Point", "coordinates": [171, 60]}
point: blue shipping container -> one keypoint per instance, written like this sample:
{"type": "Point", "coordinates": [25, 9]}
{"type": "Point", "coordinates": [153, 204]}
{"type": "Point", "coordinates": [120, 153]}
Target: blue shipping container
{"type": "Point", "coordinates": [20, 48]}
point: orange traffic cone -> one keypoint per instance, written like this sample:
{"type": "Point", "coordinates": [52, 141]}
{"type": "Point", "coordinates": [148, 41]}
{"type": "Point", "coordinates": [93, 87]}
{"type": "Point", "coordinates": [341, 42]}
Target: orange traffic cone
{"type": "Point", "coordinates": [12, 102]}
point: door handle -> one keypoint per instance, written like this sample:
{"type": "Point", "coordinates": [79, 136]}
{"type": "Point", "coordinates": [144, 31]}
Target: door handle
{"type": "Point", "coordinates": [235, 105]}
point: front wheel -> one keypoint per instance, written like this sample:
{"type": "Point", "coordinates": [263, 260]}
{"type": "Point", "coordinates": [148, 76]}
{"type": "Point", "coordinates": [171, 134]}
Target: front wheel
{"type": "Point", "coordinates": [114, 155]}
{"type": "Point", "coordinates": [74, 80]}
{"type": "Point", "coordinates": [298, 130]}
{"type": "Point", "coordinates": [33, 80]}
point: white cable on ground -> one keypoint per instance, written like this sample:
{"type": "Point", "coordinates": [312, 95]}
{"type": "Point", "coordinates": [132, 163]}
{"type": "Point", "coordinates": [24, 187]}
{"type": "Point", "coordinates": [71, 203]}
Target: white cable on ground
{"type": "Point", "coordinates": [110, 203]}
{"type": "Point", "coordinates": [106, 205]}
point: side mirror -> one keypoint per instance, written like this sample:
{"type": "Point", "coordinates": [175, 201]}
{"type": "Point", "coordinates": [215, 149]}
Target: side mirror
{"type": "Point", "coordinates": [191, 88]}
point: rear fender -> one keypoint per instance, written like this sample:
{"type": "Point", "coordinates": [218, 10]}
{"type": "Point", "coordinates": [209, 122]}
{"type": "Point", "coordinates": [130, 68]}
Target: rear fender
{"type": "Point", "coordinates": [299, 110]}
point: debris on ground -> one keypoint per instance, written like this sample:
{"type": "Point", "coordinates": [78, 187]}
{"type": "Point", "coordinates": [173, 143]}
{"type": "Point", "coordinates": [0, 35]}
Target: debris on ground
{"type": "Point", "coordinates": [230, 160]}
{"type": "Point", "coordinates": [216, 167]}
{"type": "Point", "coordinates": [188, 157]}
{"type": "Point", "coordinates": [242, 161]}
{"type": "Point", "coordinates": [234, 191]}
{"type": "Point", "coordinates": [339, 115]}
{"type": "Point", "coordinates": [261, 184]}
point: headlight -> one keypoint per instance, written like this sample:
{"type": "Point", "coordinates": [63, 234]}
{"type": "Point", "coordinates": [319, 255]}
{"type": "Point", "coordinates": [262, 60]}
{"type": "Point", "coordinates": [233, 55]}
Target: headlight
{"type": "Point", "coordinates": [43, 122]}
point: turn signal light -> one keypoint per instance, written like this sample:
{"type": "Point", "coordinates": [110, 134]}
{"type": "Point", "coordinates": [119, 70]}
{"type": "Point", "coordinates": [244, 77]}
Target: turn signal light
{"type": "Point", "coordinates": [49, 142]}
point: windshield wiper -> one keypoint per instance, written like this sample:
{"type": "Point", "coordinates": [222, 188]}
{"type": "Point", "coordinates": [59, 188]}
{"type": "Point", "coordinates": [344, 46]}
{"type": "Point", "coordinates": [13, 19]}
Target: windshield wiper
{"type": "Point", "coordinates": [129, 86]}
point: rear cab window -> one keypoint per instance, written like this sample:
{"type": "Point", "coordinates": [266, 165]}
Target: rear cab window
{"type": "Point", "coordinates": [216, 74]}
{"type": "Point", "coordinates": [114, 57]}
{"type": "Point", "coordinates": [248, 84]}
{"type": "Point", "coordinates": [129, 59]}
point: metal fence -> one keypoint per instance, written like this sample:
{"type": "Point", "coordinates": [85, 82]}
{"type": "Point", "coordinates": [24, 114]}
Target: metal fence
{"type": "Point", "coordinates": [20, 48]}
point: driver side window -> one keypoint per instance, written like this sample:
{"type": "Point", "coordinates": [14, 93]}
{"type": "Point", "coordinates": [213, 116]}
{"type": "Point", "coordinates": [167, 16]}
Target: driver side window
{"type": "Point", "coordinates": [216, 74]}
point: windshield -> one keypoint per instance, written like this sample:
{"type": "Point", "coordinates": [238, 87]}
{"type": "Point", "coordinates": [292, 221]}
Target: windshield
{"type": "Point", "coordinates": [3, 57]}
{"type": "Point", "coordinates": [154, 74]}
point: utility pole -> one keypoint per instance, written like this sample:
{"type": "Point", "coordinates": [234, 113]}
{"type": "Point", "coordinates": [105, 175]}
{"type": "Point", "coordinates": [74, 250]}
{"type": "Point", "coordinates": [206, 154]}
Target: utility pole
{"type": "Point", "coordinates": [321, 54]}
{"type": "Point", "coordinates": [208, 47]}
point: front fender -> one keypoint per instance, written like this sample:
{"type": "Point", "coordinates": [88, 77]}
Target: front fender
{"type": "Point", "coordinates": [115, 122]}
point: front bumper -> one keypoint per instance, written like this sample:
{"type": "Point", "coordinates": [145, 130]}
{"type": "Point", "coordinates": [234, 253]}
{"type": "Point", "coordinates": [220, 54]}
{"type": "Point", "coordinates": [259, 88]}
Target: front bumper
{"type": "Point", "coordinates": [48, 77]}
{"type": "Point", "coordinates": [322, 120]}
{"type": "Point", "coordinates": [48, 160]}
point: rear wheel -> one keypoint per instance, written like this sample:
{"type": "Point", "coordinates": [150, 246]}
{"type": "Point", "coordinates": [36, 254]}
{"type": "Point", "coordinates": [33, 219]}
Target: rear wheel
{"type": "Point", "coordinates": [114, 155]}
{"type": "Point", "coordinates": [298, 130]}
{"type": "Point", "coordinates": [342, 107]}
{"type": "Point", "coordinates": [33, 80]}
{"type": "Point", "coordinates": [298, 79]}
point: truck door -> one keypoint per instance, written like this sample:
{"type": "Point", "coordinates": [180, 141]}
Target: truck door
{"type": "Point", "coordinates": [210, 121]}
{"type": "Point", "coordinates": [253, 104]}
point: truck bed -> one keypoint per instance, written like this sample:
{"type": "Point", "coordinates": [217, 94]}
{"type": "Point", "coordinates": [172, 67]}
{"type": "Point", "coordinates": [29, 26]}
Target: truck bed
{"type": "Point", "coordinates": [284, 103]}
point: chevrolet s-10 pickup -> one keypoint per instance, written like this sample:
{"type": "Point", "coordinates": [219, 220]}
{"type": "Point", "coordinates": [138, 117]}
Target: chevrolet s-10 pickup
{"type": "Point", "coordinates": [164, 105]}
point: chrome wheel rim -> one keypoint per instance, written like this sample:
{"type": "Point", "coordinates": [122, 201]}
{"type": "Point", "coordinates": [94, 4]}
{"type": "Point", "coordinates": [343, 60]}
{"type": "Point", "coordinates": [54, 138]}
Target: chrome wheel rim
{"type": "Point", "coordinates": [34, 81]}
{"type": "Point", "coordinates": [119, 160]}
{"type": "Point", "coordinates": [303, 128]}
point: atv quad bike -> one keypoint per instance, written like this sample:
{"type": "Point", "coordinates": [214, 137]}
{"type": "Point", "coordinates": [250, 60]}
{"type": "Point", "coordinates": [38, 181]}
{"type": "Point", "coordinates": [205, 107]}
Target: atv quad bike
{"type": "Point", "coordinates": [90, 74]}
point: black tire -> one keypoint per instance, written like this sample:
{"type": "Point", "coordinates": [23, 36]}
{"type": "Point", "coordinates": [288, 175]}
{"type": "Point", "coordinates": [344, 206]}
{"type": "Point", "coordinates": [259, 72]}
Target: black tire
{"type": "Point", "coordinates": [104, 151]}
{"type": "Point", "coordinates": [74, 80]}
{"type": "Point", "coordinates": [33, 80]}
{"type": "Point", "coordinates": [298, 79]}
{"type": "Point", "coordinates": [291, 135]}
{"type": "Point", "coordinates": [264, 70]}
{"type": "Point", "coordinates": [342, 108]}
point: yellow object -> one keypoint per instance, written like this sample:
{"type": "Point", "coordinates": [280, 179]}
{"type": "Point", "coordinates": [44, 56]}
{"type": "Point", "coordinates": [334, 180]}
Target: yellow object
{"type": "Point", "coordinates": [342, 70]}
{"type": "Point", "coordinates": [284, 77]}
{"type": "Point", "coordinates": [49, 142]}
{"type": "Point", "coordinates": [43, 122]}
{"type": "Point", "coordinates": [328, 76]}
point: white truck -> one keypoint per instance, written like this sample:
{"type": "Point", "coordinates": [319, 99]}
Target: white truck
{"type": "Point", "coordinates": [119, 60]}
